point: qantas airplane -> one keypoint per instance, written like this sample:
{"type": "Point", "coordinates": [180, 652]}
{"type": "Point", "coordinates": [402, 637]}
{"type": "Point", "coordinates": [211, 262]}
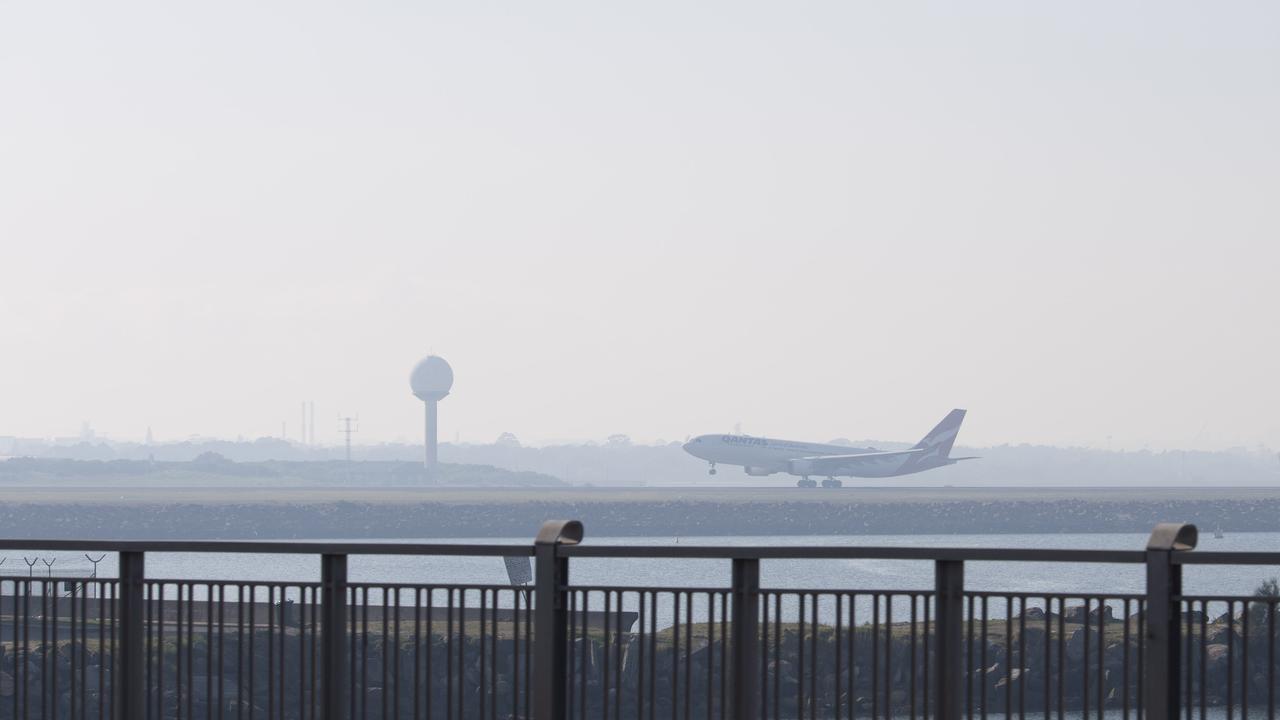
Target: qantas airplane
{"type": "Point", "coordinates": [761, 456]}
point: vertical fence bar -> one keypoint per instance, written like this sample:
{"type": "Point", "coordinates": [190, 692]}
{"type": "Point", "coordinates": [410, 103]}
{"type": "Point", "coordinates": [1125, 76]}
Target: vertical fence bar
{"type": "Point", "coordinates": [130, 687]}
{"type": "Point", "coordinates": [333, 636]}
{"type": "Point", "coordinates": [949, 601]}
{"type": "Point", "coordinates": [550, 618]}
{"type": "Point", "coordinates": [1163, 677]}
{"type": "Point", "coordinates": [746, 641]}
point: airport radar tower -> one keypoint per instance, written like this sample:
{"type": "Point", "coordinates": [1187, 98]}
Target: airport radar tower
{"type": "Point", "coordinates": [431, 381]}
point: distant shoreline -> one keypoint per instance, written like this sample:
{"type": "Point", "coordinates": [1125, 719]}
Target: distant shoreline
{"type": "Point", "coordinates": [287, 513]}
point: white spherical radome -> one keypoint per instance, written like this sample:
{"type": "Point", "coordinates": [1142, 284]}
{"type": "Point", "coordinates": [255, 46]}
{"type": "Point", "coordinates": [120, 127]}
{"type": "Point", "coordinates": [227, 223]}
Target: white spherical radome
{"type": "Point", "coordinates": [432, 378]}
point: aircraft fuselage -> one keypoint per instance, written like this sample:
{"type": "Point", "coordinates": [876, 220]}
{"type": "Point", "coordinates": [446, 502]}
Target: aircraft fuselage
{"type": "Point", "coordinates": [766, 456]}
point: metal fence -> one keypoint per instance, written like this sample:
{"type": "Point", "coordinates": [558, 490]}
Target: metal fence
{"type": "Point", "coordinates": [139, 647]}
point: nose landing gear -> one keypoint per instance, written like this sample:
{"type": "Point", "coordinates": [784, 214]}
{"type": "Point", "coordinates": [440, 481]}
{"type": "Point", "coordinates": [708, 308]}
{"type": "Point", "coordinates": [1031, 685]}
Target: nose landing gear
{"type": "Point", "coordinates": [712, 471]}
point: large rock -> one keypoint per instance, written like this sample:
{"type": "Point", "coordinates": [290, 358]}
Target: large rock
{"type": "Point", "coordinates": [1076, 614]}
{"type": "Point", "coordinates": [1075, 645]}
{"type": "Point", "coordinates": [1215, 658]}
{"type": "Point", "coordinates": [1223, 635]}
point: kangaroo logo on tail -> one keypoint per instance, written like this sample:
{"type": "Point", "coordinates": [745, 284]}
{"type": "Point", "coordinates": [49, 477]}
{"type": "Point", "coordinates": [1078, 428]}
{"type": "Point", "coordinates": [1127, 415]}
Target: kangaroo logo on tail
{"type": "Point", "coordinates": [937, 444]}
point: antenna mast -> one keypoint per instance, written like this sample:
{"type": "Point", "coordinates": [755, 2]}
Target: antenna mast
{"type": "Point", "coordinates": [349, 426]}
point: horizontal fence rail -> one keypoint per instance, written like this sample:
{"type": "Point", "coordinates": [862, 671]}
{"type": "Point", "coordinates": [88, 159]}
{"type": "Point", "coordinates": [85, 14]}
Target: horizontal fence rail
{"type": "Point", "coordinates": [135, 646]}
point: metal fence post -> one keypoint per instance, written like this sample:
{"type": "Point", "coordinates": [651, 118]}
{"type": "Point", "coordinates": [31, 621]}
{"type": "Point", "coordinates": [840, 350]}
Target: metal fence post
{"type": "Point", "coordinates": [333, 636]}
{"type": "Point", "coordinates": [746, 638]}
{"type": "Point", "coordinates": [1162, 685]}
{"type": "Point", "coordinates": [130, 690]}
{"type": "Point", "coordinates": [551, 618]}
{"type": "Point", "coordinates": [949, 612]}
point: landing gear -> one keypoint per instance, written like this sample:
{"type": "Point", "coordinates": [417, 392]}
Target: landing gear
{"type": "Point", "coordinates": [805, 482]}
{"type": "Point", "coordinates": [832, 483]}
{"type": "Point", "coordinates": [712, 471]}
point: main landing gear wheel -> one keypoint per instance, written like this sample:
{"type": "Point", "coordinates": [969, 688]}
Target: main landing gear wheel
{"type": "Point", "coordinates": [832, 483]}
{"type": "Point", "coordinates": [806, 483]}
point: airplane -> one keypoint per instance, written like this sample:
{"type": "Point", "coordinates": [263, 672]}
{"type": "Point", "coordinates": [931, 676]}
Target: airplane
{"type": "Point", "coordinates": [761, 456]}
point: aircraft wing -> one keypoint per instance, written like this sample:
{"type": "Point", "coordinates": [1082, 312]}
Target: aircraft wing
{"type": "Point", "coordinates": [840, 464]}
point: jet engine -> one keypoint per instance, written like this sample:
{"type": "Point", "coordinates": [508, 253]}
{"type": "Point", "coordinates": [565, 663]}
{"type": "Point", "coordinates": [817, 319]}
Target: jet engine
{"type": "Point", "coordinates": [800, 467]}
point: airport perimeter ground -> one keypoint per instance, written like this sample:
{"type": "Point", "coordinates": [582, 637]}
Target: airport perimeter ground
{"type": "Point", "coordinates": [123, 512]}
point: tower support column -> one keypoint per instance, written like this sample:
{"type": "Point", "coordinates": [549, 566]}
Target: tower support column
{"type": "Point", "coordinates": [429, 460]}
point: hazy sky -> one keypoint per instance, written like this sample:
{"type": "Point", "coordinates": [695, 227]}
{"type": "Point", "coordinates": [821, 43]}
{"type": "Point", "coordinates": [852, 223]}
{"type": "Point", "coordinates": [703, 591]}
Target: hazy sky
{"type": "Point", "coordinates": [817, 219]}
